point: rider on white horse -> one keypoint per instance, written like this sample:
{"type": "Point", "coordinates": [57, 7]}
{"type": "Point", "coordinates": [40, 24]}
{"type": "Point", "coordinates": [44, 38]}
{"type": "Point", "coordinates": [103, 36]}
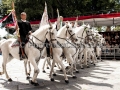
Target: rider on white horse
{"type": "Point", "coordinates": [24, 30]}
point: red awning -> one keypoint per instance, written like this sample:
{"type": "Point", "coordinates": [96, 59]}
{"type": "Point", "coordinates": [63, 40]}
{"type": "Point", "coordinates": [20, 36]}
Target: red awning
{"type": "Point", "coordinates": [96, 20]}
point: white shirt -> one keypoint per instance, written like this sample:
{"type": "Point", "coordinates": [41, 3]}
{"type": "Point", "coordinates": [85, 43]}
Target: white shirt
{"type": "Point", "coordinates": [23, 20]}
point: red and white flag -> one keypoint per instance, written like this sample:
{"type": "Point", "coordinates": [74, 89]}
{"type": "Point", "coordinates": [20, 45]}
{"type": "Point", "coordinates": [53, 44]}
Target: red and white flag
{"type": "Point", "coordinates": [9, 20]}
{"type": "Point", "coordinates": [14, 18]}
{"type": "Point", "coordinates": [44, 20]}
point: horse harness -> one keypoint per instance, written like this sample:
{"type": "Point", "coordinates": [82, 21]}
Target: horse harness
{"type": "Point", "coordinates": [35, 45]}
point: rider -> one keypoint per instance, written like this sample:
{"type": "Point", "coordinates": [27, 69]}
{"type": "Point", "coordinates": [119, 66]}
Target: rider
{"type": "Point", "coordinates": [60, 22]}
{"type": "Point", "coordinates": [24, 30]}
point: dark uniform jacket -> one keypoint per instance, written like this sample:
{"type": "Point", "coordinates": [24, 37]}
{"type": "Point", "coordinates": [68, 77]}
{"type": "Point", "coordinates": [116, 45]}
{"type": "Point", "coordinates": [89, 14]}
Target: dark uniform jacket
{"type": "Point", "coordinates": [24, 28]}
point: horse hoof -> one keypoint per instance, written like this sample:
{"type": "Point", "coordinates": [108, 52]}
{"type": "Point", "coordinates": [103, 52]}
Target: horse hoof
{"type": "Point", "coordinates": [44, 71]}
{"type": "Point", "coordinates": [36, 84]}
{"type": "Point", "coordinates": [54, 74]}
{"type": "Point", "coordinates": [67, 67]}
{"type": "Point", "coordinates": [88, 66]}
{"type": "Point", "coordinates": [55, 66]}
{"type": "Point", "coordinates": [10, 80]}
{"type": "Point", "coordinates": [47, 67]}
{"type": "Point", "coordinates": [33, 83]}
{"type": "Point", "coordinates": [94, 64]}
{"type": "Point", "coordinates": [52, 79]}
{"type": "Point", "coordinates": [61, 70]}
{"type": "Point", "coordinates": [82, 68]}
{"type": "Point", "coordinates": [66, 81]}
{"type": "Point", "coordinates": [77, 71]}
{"type": "Point", "coordinates": [74, 77]}
{"type": "Point", "coordinates": [28, 74]}
{"type": "Point", "coordinates": [27, 77]}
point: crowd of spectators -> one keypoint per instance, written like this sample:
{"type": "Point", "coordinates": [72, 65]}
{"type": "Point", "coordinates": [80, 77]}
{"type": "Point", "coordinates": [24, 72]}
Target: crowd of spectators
{"type": "Point", "coordinates": [112, 42]}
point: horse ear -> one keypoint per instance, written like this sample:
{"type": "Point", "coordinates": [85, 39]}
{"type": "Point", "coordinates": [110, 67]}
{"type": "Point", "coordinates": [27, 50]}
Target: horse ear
{"type": "Point", "coordinates": [50, 24]}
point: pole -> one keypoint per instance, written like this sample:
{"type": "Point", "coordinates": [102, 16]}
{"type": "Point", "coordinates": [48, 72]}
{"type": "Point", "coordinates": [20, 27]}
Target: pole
{"type": "Point", "coordinates": [17, 28]}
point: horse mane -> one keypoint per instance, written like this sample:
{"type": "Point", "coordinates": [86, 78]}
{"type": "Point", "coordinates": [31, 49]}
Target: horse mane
{"type": "Point", "coordinates": [42, 28]}
{"type": "Point", "coordinates": [60, 31]}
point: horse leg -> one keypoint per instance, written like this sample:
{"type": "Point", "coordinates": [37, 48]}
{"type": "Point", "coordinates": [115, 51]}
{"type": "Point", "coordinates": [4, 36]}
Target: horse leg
{"type": "Point", "coordinates": [63, 68]}
{"type": "Point", "coordinates": [75, 64]}
{"type": "Point", "coordinates": [51, 75]}
{"type": "Point", "coordinates": [58, 66]}
{"type": "Point", "coordinates": [49, 63]}
{"type": "Point", "coordinates": [25, 65]}
{"type": "Point", "coordinates": [81, 61]}
{"type": "Point", "coordinates": [43, 68]}
{"type": "Point", "coordinates": [6, 59]}
{"type": "Point", "coordinates": [36, 72]}
{"type": "Point", "coordinates": [93, 57]}
{"type": "Point", "coordinates": [85, 59]}
{"type": "Point", "coordinates": [29, 68]}
{"type": "Point", "coordinates": [71, 67]}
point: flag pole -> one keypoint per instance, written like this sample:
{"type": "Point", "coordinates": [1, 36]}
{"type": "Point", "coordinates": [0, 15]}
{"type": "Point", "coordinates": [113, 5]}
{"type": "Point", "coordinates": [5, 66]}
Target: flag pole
{"type": "Point", "coordinates": [17, 28]}
{"type": "Point", "coordinates": [58, 13]}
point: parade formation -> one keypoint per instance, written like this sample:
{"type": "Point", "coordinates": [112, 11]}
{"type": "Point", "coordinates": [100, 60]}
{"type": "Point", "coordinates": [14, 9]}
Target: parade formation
{"type": "Point", "coordinates": [57, 43]}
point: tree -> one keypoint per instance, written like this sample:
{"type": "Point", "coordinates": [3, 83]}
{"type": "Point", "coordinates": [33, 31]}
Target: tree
{"type": "Point", "coordinates": [67, 8]}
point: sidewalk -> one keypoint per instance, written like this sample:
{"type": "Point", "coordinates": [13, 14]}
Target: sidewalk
{"type": "Point", "coordinates": [104, 76]}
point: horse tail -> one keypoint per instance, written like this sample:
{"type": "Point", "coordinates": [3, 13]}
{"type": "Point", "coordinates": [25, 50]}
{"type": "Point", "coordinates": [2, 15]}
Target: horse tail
{"type": "Point", "coordinates": [1, 41]}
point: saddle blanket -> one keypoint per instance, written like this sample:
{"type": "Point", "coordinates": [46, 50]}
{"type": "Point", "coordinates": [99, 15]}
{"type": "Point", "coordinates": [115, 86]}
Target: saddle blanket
{"type": "Point", "coordinates": [15, 44]}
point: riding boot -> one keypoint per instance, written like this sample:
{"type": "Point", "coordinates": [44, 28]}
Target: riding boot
{"type": "Point", "coordinates": [47, 48]}
{"type": "Point", "coordinates": [21, 53]}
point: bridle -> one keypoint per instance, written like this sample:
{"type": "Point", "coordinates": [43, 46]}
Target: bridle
{"type": "Point", "coordinates": [86, 33]}
{"type": "Point", "coordinates": [67, 32]}
{"type": "Point", "coordinates": [35, 45]}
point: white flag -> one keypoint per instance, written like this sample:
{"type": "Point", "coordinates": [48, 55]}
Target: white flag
{"type": "Point", "coordinates": [76, 22]}
{"type": "Point", "coordinates": [59, 21]}
{"type": "Point", "coordinates": [44, 20]}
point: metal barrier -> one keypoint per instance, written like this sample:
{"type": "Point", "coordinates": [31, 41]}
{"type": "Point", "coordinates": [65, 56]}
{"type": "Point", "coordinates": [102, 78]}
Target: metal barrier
{"type": "Point", "coordinates": [110, 53]}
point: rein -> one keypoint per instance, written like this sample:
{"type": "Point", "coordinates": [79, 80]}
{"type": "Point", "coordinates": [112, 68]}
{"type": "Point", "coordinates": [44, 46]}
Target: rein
{"type": "Point", "coordinates": [37, 46]}
{"type": "Point", "coordinates": [66, 35]}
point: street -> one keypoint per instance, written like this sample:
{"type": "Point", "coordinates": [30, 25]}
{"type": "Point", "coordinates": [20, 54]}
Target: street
{"type": "Point", "coordinates": [104, 76]}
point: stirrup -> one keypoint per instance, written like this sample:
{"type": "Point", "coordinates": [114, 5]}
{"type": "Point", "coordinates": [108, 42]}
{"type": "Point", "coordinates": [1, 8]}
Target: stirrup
{"type": "Point", "coordinates": [22, 57]}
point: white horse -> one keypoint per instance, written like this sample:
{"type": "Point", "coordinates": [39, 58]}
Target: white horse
{"type": "Point", "coordinates": [33, 51]}
{"type": "Point", "coordinates": [100, 41]}
{"type": "Point", "coordinates": [83, 33]}
{"type": "Point", "coordinates": [57, 52]}
{"type": "Point", "coordinates": [65, 36]}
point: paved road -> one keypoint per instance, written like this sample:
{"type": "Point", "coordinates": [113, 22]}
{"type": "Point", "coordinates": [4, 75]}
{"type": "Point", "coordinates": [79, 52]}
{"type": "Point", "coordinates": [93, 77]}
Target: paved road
{"type": "Point", "coordinates": [104, 76]}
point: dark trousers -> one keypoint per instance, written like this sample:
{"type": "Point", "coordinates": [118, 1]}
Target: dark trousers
{"type": "Point", "coordinates": [22, 44]}
{"type": "Point", "coordinates": [47, 48]}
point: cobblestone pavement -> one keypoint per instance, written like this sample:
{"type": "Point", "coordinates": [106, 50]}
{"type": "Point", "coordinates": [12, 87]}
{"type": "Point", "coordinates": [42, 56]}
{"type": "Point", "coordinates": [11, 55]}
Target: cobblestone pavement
{"type": "Point", "coordinates": [104, 76]}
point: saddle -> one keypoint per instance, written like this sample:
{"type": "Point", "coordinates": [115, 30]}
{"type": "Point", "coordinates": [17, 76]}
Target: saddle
{"type": "Point", "coordinates": [17, 44]}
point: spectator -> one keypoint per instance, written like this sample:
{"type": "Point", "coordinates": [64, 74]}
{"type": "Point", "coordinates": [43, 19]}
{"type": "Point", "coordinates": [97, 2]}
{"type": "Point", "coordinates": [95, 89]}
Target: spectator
{"type": "Point", "coordinates": [107, 47]}
{"type": "Point", "coordinates": [112, 48]}
{"type": "Point", "coordinates": [116, 48]}
{"type": "Point", "coordinates": [113, 41]}
{"type": "Point", "coordinates": [108, 37]}
{"type": "Point", "coordinates": [116, 36]}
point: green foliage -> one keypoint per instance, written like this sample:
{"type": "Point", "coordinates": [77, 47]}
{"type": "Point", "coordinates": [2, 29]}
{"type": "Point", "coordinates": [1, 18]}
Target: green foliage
{"type": "Point", "coordinates": [67, 8]}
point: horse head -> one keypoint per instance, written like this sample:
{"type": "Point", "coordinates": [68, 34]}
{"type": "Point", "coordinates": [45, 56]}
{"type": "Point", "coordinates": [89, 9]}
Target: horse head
{"type": "Point", "coordinates": [70, 33]}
